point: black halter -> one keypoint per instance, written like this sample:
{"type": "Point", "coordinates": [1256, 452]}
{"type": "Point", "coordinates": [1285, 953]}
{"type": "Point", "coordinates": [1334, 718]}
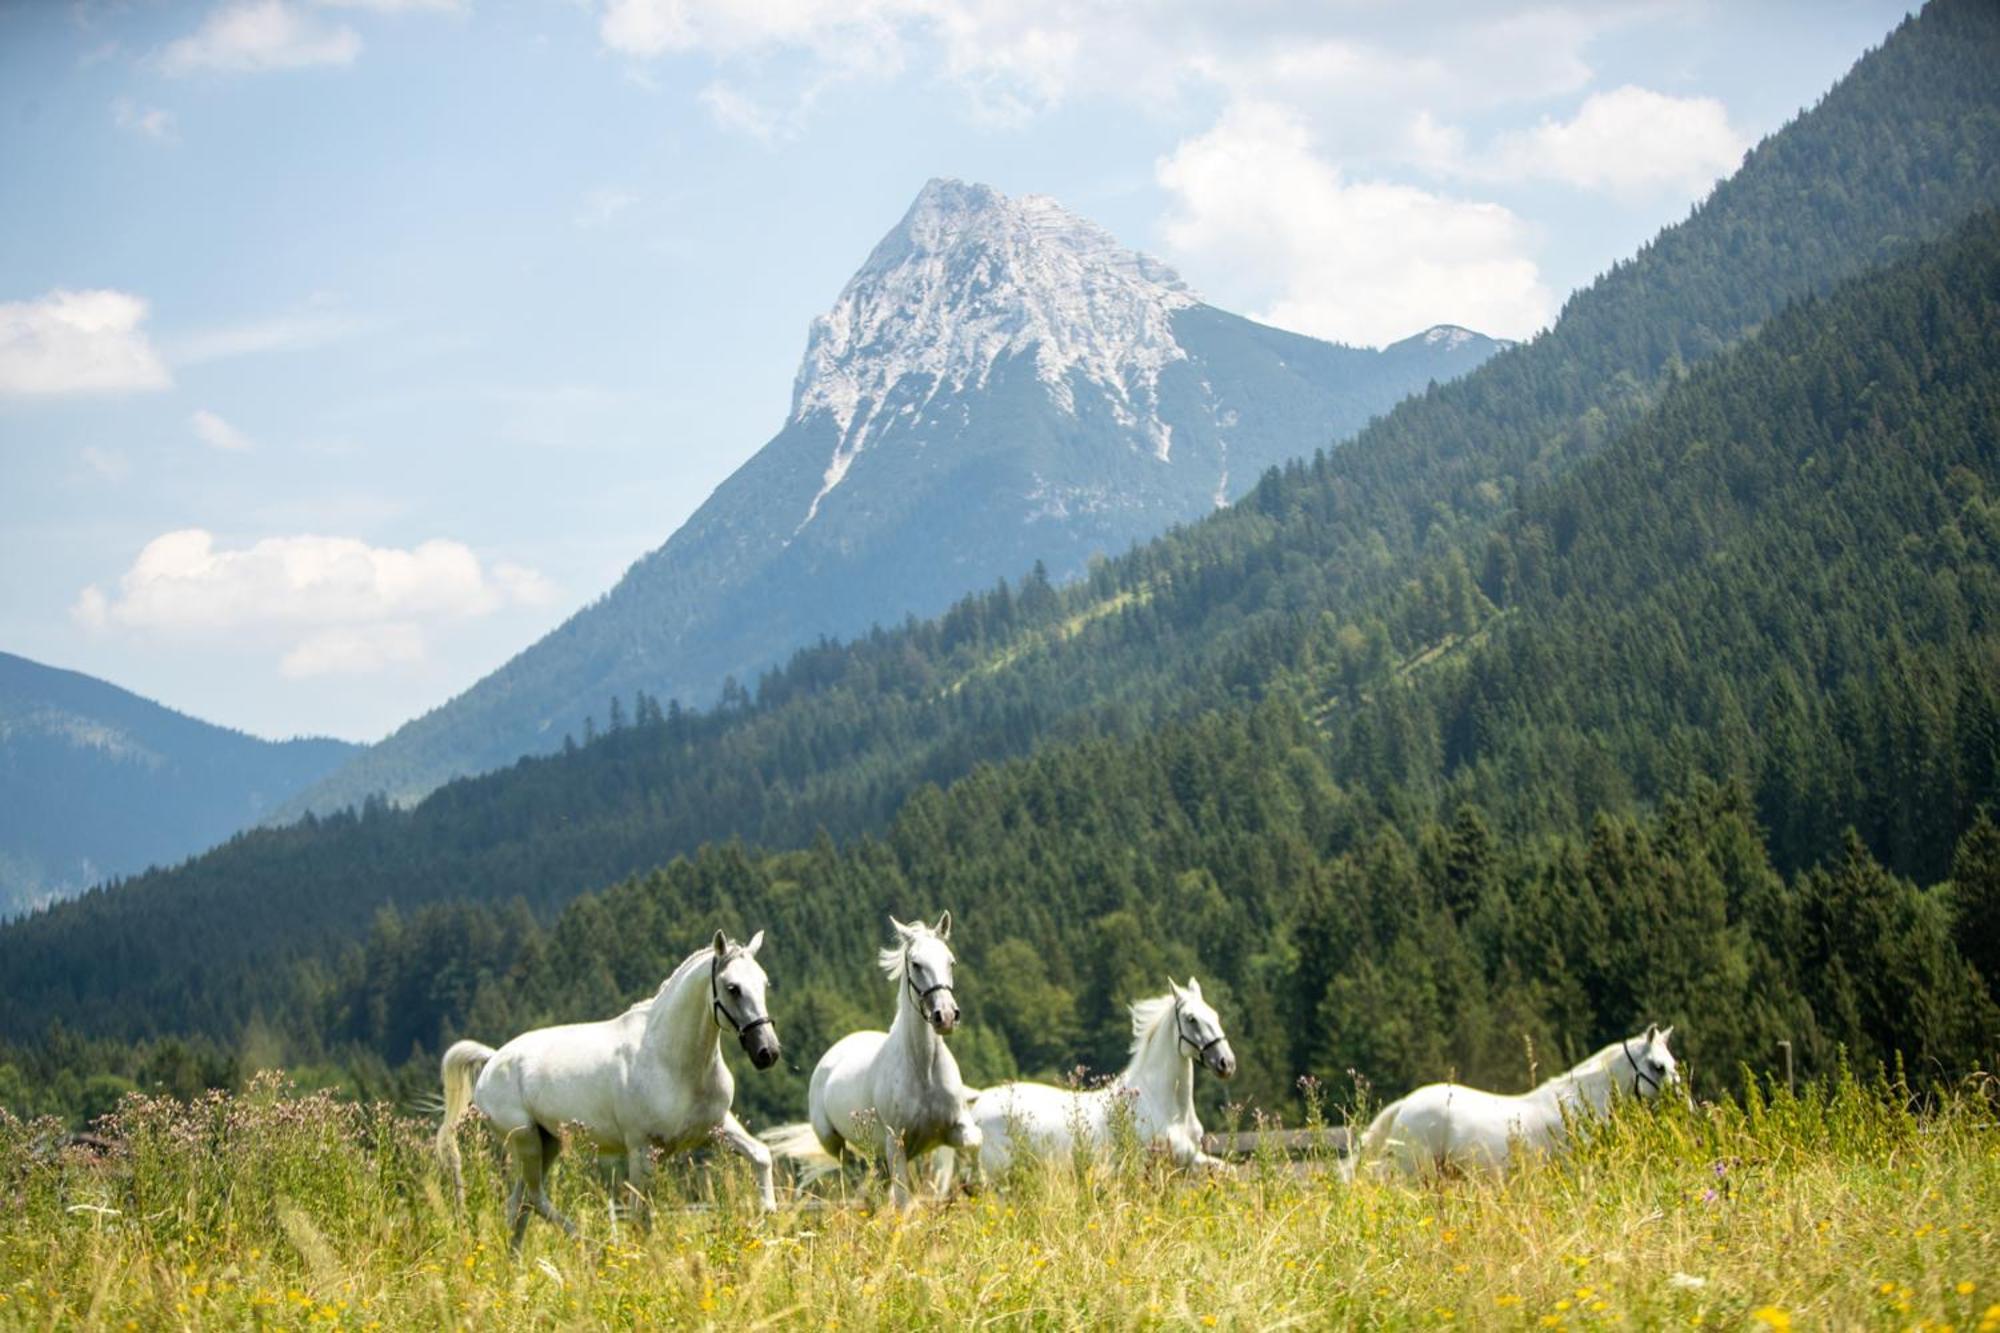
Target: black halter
{"type": "Point", "coordinates": [928, 991]}
{"type": "Point", "coordinates": [1638, 1074]}
{"type": "Point", "coordinates": [723, 1018]}
{"type": "Point", "coordinates": [1200, 1049]}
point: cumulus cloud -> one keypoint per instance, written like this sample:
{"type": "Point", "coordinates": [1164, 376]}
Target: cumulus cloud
{"type": "Point", "coordinates": [1271, 223]}
{"type": "Point", "coordinates": [77, 342]}
{"type": "Point", "coordinates": [1016, 58]}
{"type": "Point", "coordinates": [251, 36]}
{"type": "Point", "coordinates": [1629, 141]}
{"type": "Point", "coordinates": [218, 434]}
{"type": "Point", "coordinates": [337, 603]}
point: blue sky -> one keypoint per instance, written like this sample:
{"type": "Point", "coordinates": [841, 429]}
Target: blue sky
{"type": "Point", "coordinates": [347, 348]}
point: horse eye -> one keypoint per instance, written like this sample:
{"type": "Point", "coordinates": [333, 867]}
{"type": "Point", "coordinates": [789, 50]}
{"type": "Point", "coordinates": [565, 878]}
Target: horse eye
{"type": "Point", "coordinates": [735, 989]}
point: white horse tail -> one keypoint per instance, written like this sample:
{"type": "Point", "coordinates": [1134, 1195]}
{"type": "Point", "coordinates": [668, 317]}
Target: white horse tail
{"type": "Point", "coordinates": [799, 1142]}
{"type": "Point", "coordinates": [460, 1070]}
{"type": "Point", "coordinates": [1373, 1139]}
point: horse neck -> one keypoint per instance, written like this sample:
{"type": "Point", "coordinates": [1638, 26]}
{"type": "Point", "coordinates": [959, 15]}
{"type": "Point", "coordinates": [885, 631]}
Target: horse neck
{"type": "Point", "coordinates": [679, 1027]}
{"type": "Point", "coordinates": [1588, 1084]}
{"type": "Point", "coordinates": [909, 1031]}
{"type": "Point", "coordinates": [1159, 1070]}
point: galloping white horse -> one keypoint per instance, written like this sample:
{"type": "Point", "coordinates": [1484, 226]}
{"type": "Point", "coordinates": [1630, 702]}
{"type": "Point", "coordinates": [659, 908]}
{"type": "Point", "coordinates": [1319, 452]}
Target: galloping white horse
{"type": "Point", "coordinates": [1157, 1090]}
{"type": "Point", "coordinates": [901, 1087]}
{"type": "Point", "coordinates": [653, 1076]}
{"type": "Point", "coordinates": [1446, 1124]}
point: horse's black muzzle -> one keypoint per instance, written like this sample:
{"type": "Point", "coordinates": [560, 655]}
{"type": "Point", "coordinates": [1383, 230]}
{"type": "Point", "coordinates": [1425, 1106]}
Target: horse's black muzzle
{"type": "Point", "coordinates": [760, 1043]}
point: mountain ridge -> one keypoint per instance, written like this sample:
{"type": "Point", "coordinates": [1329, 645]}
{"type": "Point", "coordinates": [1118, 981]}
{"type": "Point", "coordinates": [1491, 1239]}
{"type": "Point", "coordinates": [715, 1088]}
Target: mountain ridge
{"type": "Point", "coordinates": [97, 781]}
{"type": "Point", "coordinates": [1000, 384]}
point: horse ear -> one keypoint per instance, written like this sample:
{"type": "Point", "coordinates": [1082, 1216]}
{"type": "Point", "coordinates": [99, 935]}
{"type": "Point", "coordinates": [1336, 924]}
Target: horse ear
{"type": "Point", "coordinates": [1652, 1031]}
{"type": "Point", "coordinates": [1666, 1033]}
{"type": "Point", "coordinates": [1173, 985]}
{"type": "Point", "coordinates": [943, 930]}
{"type": "Point", "coordinates": [1194, 988]}
{"type": "Point", "coordinates": [721, 943]}
{"type": "Point", "coordinates": [756, 943]}
{"type": "Point", "coordinates": [898, 926]}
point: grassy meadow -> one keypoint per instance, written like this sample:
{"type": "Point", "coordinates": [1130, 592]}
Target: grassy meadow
{"type": "Point", "coordinates": [1847, 1206]}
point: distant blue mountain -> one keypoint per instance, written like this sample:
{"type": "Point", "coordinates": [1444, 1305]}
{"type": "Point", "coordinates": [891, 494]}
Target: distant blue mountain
{"type": "Point", "coordinates": [96, 782]}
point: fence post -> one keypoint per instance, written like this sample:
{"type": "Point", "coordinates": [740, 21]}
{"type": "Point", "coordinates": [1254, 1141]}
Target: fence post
{"type": "Point", "coordinates": [1791, 1087]}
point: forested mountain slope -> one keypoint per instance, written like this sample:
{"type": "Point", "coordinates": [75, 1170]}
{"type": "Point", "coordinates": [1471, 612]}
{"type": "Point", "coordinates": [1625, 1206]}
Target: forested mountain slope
{"type": "Point", "coordinates": [96, 781]}
{"type": "Point", "coordinates": [1844, 460]}
{"type": "Point", "coordinates": [1252, 600]}
{"type": "Point", "coordinates": [1808, 526]}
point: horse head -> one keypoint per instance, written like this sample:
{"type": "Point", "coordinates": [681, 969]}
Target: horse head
{"type": "Point", "coordinates": [1652, 1067]}
{"type": "Point", "coordinates": [736, 988]}
{"type": "Point", "coordinates": [1198, 1031]}
{"type": "Point", "coordinates": [924, 961]}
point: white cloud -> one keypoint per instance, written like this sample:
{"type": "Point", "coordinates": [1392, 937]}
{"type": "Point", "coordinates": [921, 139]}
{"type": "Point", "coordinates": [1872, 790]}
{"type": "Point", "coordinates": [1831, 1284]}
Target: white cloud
{"type": "Point", "coordinates": [107, 464]}
{"type": "Point", "coordinates": [1014, 59]}
{"type": "Point", "coordinates": [354, 650]}
{"type": "Point", "coordinates": [282, 333]}
{"type": "Point", "coordinates": [149, 122]}
{"type": "Point", "coordinates": [848, 33]}
{"type": "Point", "coordinates": [248, 36]}
{"type": "Point", "coordinates": [92, 609]}
{"type": "Point", "coordinates": [218, 434]}
{"type": "Point", "coordinates": [602, 206]}
{"type": "Point", "coordinates": [332, 604]}
{"type": "Point", "coordinates": [1629, 141]}
{"type": "Point", "coordinates": [522, 585]}
{"type": "Point", "coordinates": [77, 342]}
{"type": "Point", "coordinates": [1271, 222]}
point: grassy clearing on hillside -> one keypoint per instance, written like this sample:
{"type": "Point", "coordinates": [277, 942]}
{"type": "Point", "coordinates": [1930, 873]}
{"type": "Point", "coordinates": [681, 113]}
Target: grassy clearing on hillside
{"type": "Point", "coordinates": [1842, 1208]}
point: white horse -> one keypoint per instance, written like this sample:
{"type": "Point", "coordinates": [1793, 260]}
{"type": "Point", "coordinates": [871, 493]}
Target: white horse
{"type": "Point", "coordinates": [651, 1077]}
{"type": "Point", "coordinates": [1169, 1033]}
{"type": "Point", "coordinates": [1447, 1125]}
{"type": "Point", "coordinates": [900, 1088]}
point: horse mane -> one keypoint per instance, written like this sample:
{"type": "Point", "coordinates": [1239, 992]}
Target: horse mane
{"type": "Point", "coordinates": [891, 959]}
{"type": "Point", "coordinates": [681, 969]}
{"type": "Point", "coordinates": [1147, 1015]}
{"type": "Point", "coordinates": [1602, 1058]}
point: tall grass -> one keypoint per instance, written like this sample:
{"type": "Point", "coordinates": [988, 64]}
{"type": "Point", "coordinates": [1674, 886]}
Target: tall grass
{"type": "Point", "coordinates": [1845, 1206]}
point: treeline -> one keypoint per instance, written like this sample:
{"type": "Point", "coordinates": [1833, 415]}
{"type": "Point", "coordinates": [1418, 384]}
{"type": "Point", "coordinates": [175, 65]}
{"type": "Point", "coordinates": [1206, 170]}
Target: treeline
{"type": "Point", "coordinates": [1258, 599]}
{"type": "Point", "coordinates": [1803, 526]}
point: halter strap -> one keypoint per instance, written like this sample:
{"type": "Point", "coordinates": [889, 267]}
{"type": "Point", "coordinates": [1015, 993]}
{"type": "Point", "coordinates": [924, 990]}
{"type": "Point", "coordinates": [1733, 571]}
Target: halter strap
{"type": "Point", "coordinates": [723, 1018]}
{"type": "Point", "coordinates": [928, 991]}
{"type": "Point", "coordinates": [1625, 1045]}
{"type": "Point", "coordinates": [1200, 1049]}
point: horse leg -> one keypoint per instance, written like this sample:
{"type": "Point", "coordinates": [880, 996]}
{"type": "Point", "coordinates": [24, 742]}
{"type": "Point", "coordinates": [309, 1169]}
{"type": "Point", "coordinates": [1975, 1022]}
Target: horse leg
{"type": "Point", "coordinates": [639, 1181]}
{"type": "Point", "coordinates": [968, 1139]}
{"type": "Point", "coordinates": [941, 1166]}
{"type": "Point", "coordinates": [546, 1148]}
{"type": "Point", "coordinates": [743, 1141]}
{"type": "Point", "coordinates": [524, 1148]}
{"type": "Point", "coordinates": [897, 1162]}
